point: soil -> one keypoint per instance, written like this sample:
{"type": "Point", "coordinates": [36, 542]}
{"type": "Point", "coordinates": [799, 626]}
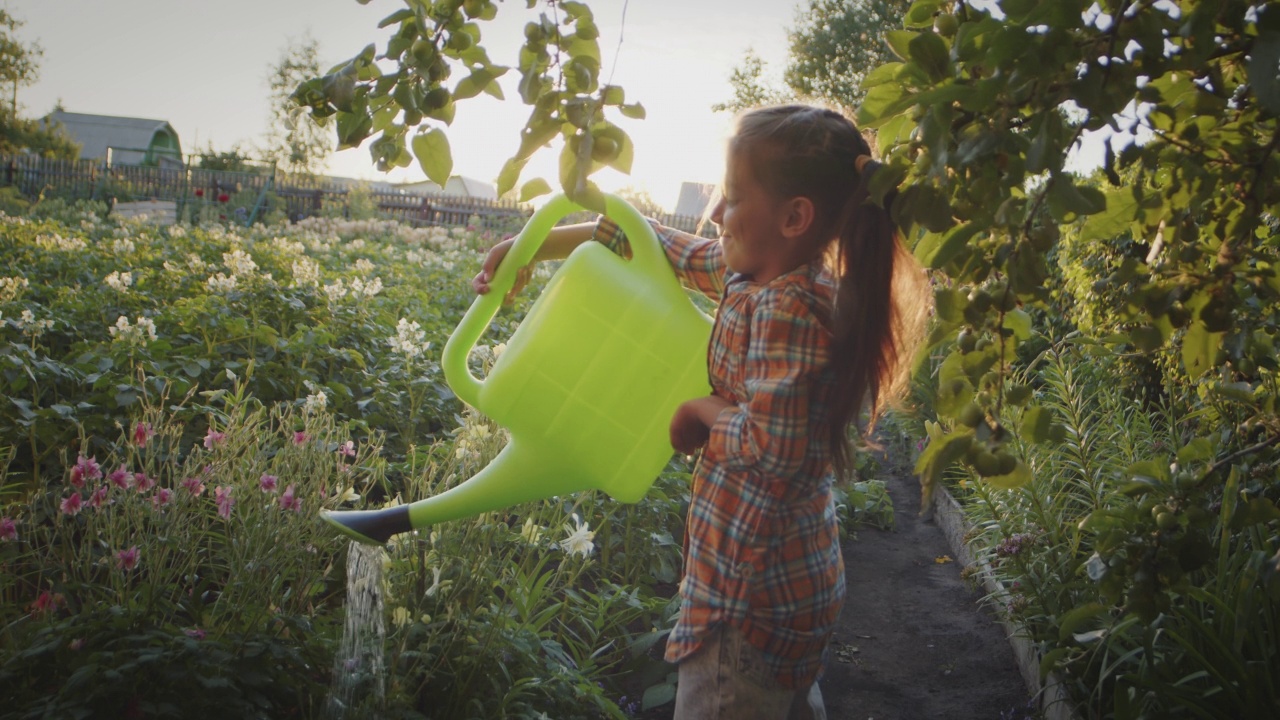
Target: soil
{"type": "Point", "coordinates": [915, 640]}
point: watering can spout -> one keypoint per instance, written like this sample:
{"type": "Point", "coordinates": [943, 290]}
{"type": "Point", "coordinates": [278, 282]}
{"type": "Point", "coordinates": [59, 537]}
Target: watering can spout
{"type": "Point", "coordinates": [520, 473]}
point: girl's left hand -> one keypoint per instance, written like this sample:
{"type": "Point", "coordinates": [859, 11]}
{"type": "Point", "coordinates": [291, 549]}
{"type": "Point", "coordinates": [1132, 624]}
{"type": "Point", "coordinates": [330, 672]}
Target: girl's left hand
{"type": "Point", "coordinates": [691, 425]}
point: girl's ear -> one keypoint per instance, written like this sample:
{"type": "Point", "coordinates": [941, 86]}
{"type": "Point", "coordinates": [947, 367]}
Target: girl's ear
{"type": "Point", "coordinates": [797, 217]}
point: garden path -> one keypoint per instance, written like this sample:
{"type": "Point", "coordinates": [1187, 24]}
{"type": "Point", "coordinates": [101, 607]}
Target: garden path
{"type": "Point", "coordinates": [915, 641]}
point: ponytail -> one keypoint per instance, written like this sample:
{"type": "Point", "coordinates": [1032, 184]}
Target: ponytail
{"type": "Point", "coordinates": [881, 307]}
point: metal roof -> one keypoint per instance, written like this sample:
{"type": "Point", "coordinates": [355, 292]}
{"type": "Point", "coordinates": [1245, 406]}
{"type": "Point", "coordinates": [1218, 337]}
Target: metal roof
{"type": "Point", "coordinates": [96, 133]}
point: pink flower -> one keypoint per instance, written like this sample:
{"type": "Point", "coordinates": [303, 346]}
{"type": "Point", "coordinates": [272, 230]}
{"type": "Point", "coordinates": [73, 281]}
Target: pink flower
{"type": "Point", "coordinates": [142, 432]}
{"type": "Point", "coordinates": [99, 497]}
{"type": "Point", "coordinates": [268, 483]}
{"type": "Point", "coordinates": [46, 602]}
{"type": "Point", "coordinates": [193, 486]}
{"type": "Point", "coordinates": [121, 478]}
{"type": "Point", "coordinates": [85, 469]}
{"type": "Point", "coordinates": [288, 501]}
{"type": "Point", "coordinates": [71, 504]}
{"type": "Point", "coordinates": [213, 438]}
{"type": "Point", "coordinates": [8, 529]}
{"type": "Point", "coordinates": [142, 483]}
{"type": "Point", "coordinates": [127, 559]}
{"type": "Point", "coordinates": [196, 633]}
{"type": "Point", "coordinates": [348, 448]}
{"type": "Point", "coordinates": [222, 496]}
{"type": "Point", "coordinates": [299, 437]}
{"type": "Point", "coordinates": [76, 644]}
{"type": "Point", "coordinates": [163, 497]}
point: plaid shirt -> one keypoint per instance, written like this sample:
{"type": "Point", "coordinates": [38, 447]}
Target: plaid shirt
{"type": "Point", "coordinates": [762, 549]}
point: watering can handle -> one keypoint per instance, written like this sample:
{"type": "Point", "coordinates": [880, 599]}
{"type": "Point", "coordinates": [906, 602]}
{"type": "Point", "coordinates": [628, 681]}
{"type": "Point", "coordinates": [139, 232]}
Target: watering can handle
{"type": "Point", "coordinates": [645, 250]}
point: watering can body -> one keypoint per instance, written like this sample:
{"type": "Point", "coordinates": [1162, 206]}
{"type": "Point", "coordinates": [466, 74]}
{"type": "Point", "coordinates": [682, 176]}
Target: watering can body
{"type": "Point", "coordinates": [586, 386]}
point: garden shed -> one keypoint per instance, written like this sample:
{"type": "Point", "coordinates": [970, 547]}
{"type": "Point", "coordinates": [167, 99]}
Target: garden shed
{"type": "Point", "coordinates": [132, 141]}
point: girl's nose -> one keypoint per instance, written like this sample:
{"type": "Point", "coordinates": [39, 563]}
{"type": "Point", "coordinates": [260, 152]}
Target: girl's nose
{"type": "Point", "coordinates": [717, 213]}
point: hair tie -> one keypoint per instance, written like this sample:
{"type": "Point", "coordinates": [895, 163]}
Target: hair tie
{"type": "Point", "coordinates": [860, 162]}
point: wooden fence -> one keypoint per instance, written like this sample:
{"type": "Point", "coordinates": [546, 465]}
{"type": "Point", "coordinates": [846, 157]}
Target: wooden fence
{"type": "Point", "coordinates": [298, 197]}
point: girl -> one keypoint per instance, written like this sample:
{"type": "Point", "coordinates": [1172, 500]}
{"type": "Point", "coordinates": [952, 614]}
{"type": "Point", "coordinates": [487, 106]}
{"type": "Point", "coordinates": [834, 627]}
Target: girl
{"type": "Point", "coordinates": [820, 308]}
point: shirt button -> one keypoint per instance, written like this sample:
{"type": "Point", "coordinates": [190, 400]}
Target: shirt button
{"type": "Point", "coordinates": [744, 569]}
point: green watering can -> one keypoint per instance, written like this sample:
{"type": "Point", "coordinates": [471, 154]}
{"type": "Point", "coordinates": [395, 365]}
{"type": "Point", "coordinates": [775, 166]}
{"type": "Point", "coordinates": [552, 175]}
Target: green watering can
{"type": "Point", "coordinates": [587, 384]}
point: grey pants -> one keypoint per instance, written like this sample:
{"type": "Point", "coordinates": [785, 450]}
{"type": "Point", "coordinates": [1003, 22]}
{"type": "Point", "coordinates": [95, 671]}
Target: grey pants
{"type": "Point", "coordinates": [726, 679]}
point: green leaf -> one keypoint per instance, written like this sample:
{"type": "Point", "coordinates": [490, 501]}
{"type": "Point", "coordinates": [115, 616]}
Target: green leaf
{"type": "Point", "coordinates": [941, 453]}
{"type": "Point", "coordinates": [509, 175]}
{"type": "Point", "coordinates": [900, 42]}
{"type": "Point", "coordinates": [930, 52]}
{"type": "Point", "coordinates": [1020, 476]}
{"type": "Point", "coordinates": [1154, 469]}
{"type": "Point", "coordinates": [1072, 620]}
{"type": "Point", "coordinates": [434, 155]}
{"type": "Point", "coordinates": [921, 13]}
{"type": "Point", "coordinates": [1067, 201]}
{"type": "Point", "coordinates": [935, 250]}
{"type": "Point", "coordinates": [1199, 349]}
{"type": "Point", "coordinates": [1121, 208]}
{"type": "Point", "coordinates": [533, 189]}
{"type": "Point", "coordinates": [1198, 450]}
{"type": "Point", "coordinates": [658, 695]}
{"type": "Point", "coordinates": [1019, 322]}
{"type": "Point", "coordinates": [635, 111]}
{"type": "Point", "coordinates": [1036, 421]}
{"type": "Point", "coordinates": [480, 80]}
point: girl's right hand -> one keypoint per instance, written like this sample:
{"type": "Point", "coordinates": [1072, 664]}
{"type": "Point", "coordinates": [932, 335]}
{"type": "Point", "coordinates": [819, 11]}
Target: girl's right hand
{"type": "Point", "coordinates": [480, 283]}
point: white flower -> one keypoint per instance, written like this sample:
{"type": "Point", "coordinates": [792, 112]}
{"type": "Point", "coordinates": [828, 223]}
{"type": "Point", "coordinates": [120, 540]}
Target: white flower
{"type": "Point", "coordinates": [348, 495]}
{"type": "Point", "coordinates": [119, 281]}
{"type": "Point", "coordinates": [364, 266]}
{"type": "Point", "coordinates": [306, 273]}
{"type": "Point", "coordinates": [122, 246]}
{"type": "Point", "coordinates": [335, 291]}
{"type": "Point", "coordinates": [409, 339]}
{"type": "Point", "coordinates": [57, 242]}
{"type": "Point", "coordinates": [28, 324]}
{"type": "Point", "coordinates": [531, 531]}
{"type": "Point", "coordinates": [139, 333]}
{"type": "Point", "coordinates": [401, 617]}
{"type": "Point", "coordinates": [316, 401]}
{"type": "Point", "coordinates": [195, 263]}
{"type": "Point", "coordinates": [498, 350]}
{"type": "Point", "coordinates": [220, 283]}
{"type": "Point", "coordinates": [360, 287]}
{"type": "Point", "coordinates": [580, 540]}
{"type": "Point", "coordinates": [177, 231]}
{"type": "Point", "coordinates": [12, 287]}
{"type": "Point", "coordinates": [239, 263]}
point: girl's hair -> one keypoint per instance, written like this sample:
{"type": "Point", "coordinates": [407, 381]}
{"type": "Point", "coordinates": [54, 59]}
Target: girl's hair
{"type": "Point", "coordinates": [882, 296]}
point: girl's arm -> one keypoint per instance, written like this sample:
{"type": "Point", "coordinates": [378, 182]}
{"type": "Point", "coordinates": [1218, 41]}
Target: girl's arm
{"type": "Point", "coordinates": [559, 243]}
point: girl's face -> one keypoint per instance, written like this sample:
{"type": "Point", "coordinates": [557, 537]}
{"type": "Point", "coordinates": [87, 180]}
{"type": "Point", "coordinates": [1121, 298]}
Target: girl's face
{"type": "Point", "coordinates": [750, 221]}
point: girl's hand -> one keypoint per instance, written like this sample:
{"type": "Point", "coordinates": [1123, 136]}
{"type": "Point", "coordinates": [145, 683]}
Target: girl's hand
{"type": "Point", "coordinates": [691, 425]}
{"type": "Point", "coordinates": [480, 283]}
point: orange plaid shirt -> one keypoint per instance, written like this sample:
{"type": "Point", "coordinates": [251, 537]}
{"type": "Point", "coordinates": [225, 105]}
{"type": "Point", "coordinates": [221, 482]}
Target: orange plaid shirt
{"type": "Point", "coordinates": [762, 549]}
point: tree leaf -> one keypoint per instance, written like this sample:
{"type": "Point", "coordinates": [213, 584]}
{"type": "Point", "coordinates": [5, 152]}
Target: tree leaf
{"type": "Point", "coordinates": [509, 175]}
{"type": "Point", "coordinates": [1036, 421]}
{"type": "Point", "coordinates": [635, 111]}
{"type": "Point", "coordinates": [935, 250]}
{"type": "Point", "coordinates": [434, 155]}
{"type": "Point", "coordinates": [1199, 349]}
{"type": "Point", "coordinates": [930, 52]}
{"type": "Point", "coordinates": [533, 189]}
{"type": "Point", "coordinates": [900, 42]}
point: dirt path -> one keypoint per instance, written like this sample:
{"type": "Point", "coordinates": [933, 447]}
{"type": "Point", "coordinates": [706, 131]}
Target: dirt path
{"type": "Point", "coordinates": [914, 642]}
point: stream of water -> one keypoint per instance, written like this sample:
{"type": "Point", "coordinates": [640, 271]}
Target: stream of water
{"type": "Point", "coordinates": [359, 672]}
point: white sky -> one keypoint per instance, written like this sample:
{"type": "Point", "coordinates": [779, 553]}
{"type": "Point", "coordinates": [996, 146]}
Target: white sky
{"type": "Point", "coordinates": [202, 65]}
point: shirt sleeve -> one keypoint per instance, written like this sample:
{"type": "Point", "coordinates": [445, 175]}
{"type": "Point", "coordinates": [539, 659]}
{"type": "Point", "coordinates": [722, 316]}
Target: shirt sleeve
{"type": "Point", "coordinates": [698, 261]}
{"type": "Point", "coordinates": [769, 431]}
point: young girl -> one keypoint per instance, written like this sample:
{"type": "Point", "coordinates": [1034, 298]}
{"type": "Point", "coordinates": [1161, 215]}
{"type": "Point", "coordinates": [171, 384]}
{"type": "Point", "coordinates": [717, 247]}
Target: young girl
{"type": "Point", "coordinates": [820, 309]}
